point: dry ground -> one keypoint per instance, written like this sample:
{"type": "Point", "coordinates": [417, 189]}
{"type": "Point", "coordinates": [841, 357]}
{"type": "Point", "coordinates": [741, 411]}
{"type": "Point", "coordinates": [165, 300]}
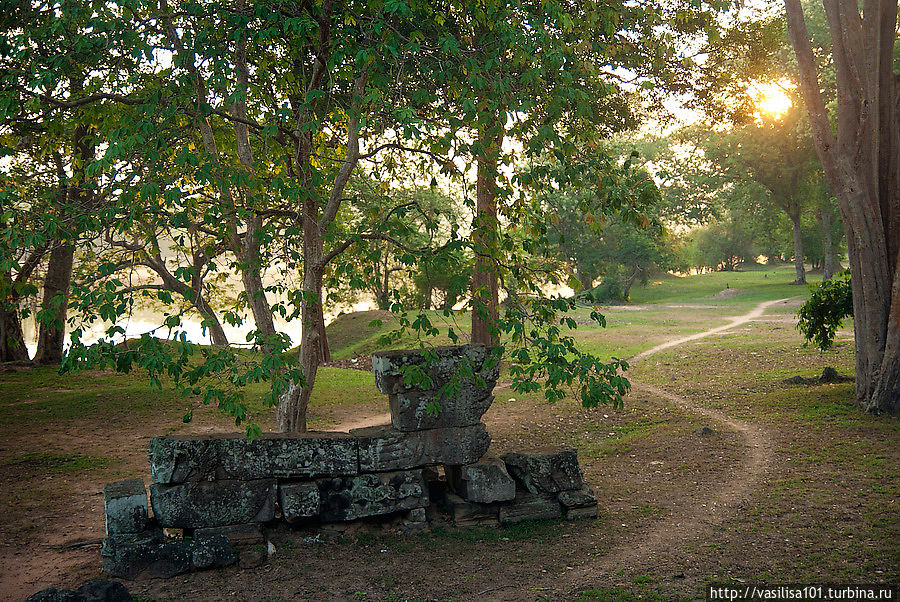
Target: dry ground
{"type": "Point", "coordinates": [793, 484]}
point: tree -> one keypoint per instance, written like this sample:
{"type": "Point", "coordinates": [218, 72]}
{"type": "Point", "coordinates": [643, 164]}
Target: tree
{"type": "Point", "coordinates": [779, 155]}
{"type": "Point", "coordinates": [862, 164]}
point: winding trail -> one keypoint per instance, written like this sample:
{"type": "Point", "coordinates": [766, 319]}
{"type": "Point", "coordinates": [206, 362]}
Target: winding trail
{"type": "Point", "coordinates": [690, 522]}
{"type": "Point", "coordinates": [693, 522]}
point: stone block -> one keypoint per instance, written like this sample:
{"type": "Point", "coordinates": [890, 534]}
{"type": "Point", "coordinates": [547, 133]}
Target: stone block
{"type": "Point", "coordinates": [470, 370]}
{"type": "Point", "coordinates": [350, 498]}
{"type": "Point", "coordinates": [409, 411]}
{"type": "Point", "coordinates": [469, 514]}
{"type": "Point", "coordinates": [580, 503]}
{"type": "Point", "coordinates": [384, 448]}
{"type": "Point", "coordinates": [298, 500]}
{"type": "Point", "coordinates": [128, 556]}
{"type": "Point", "coordinates": [95, 590]}
{"type": "Point", "coordinates": [248, 534]}
{"type": "Point", "coordinates": [213, 503]}
{"type": "Point", "coordinates": [484, 481]}
{"type": "Point", "coordinates": [545, 470]}
{"type": "Point", "coordinates": [530, 506]}
{"type": "Point", "coordinates": [180, 459]}
{"type": "Point", "coordinates": [125, 506]}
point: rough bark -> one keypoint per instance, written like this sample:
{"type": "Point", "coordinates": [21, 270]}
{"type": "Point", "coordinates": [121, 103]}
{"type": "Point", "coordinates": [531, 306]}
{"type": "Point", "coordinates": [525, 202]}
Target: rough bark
{"type": "Point", "coordinates": [313, 342]}
{"type": "Point", "coordinates": [54, 306]}
{"type": "Point", "coordinates": [12, 338]}
{"type": "Point", "coordinates": [485, 310]}
{"type": "Point", "coordinates": [798, 250]}
{"type": "Point", "coordinates": [828, 259]}
{"type": "Point", "coordinates": [862, 165]}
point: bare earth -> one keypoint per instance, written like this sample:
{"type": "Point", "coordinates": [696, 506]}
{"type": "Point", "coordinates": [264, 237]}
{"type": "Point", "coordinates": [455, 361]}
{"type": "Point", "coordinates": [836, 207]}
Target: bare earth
{"type": "Point", "coordinates": [678, 508]}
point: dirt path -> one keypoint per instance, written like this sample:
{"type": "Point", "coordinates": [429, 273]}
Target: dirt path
{"type": "Point", "coordinates": [694, 521]}
{"type": "Point", "coordinates": [362, 423]}
{"type": "Point", "coordinates": [756, 312]}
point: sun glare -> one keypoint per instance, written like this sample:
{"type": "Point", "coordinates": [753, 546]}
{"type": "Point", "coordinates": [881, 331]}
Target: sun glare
{"type": "Point", "coordinates": [771, 98]}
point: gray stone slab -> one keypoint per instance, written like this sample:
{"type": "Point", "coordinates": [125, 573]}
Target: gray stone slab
{"type": "Point", "coordinates": [530, 506]}
{"type": "Point", "coordinates": [213, 503]}
{"type": "Point", "coordinates": [484, 481]}
{"type": "Point", "coordinates": [545, 470]}
{"type": "Point", "coordinates": [184, 458]}
{"type": "Point", "coordinates": [125, 506]}
{"type": "Point", "coordinates": [410, 410]}
{"type": "Point", "coordinates": [128, 556]}
{"type": "Point", "coordinates": [350, 498]}
{"type": "Point", "coordinates": [298, 500]}
{"type": "Point", "coordinates": [384, 448]}
{"type": "Point", "coordinates": [238, 535]}
{"type": "Point", "coordinates": [470, 368]}
{"type": "Point", "coordinates": [580, 503]}
{"type": "Point", "coordinates": [470, 514]}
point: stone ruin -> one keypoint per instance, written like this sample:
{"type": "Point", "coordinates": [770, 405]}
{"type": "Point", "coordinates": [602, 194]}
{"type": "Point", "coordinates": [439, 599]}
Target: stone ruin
{"type": "Point", "coordinates": [218, 494]}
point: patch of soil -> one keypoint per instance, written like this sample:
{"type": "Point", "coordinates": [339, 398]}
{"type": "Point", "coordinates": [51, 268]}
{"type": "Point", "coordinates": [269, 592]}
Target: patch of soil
{"type": "Point", "coordinates": [359, 362]}
{"type": "Point", "coordinates": [728, 293]}
{"type": "Point", "coordinates": [829, 376]}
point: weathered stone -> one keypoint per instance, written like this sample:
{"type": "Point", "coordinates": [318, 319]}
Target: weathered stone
{"type": "Point", "coordinates": [469, 514]}
{"type": "Point", "coordinates": [213, 503]}
{"type": "Point", "coordinates": [484, 481]}
{"type": "Point", "coordinates": [350, 498]}
{"type": "Point", "coordinates": [298, 500]}
{"type": "Point", "coordinates": [95, 590]}
{"type": "Point", "coordinates": [578, 498]}
{"type": "Point", "coordinates": [589, 512]}
{"type": "Point", "coordinates": [580, 503]}
{"type": "Point", "coordinates": [125, 505]}
{"type": "Point", "coordinates": [180, 459]}
{"type": "Point", "coordinates": [384, 448]}
{"type": "Point", "coordinates": [127, 556]}
{"type": "Point", "coordinates": [546, 470]}
{"type": "Point", "coordinates": [409, 410]}
{"type": "Point", "coordinates": [101, 590]}
{"type": "Point", "coordinates": [530, 506]}
{"type": "Point", "coordinates": [416, 515]}
{"type": "Point", "coordinates": [470, 370]}
{"type": "Point", "coordinates": [238, 535]}
{"type": "Point", "coordinates": [54, 594]}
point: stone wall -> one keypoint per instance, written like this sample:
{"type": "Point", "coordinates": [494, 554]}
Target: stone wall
{"type": "Point", "coordinates": [218, 493]}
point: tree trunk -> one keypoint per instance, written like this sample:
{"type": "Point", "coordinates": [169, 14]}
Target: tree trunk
{"type": "Point", "coordinates": [12, 339]}
{"type": "Point", "coordinates": [54, 306]}
{"type": "Point", "coordinates": [585, 280]}
{"type": "Point", "coordinates": [485, 308]}
{"type": "Point", "coordinates": [259, 304]}
{"type": "Point", "coordinates": [828, 261]}
{"type": "Point", "coordinates": [862, 165]}
{"type": "Point", "coordinates": [798, 250]}
{"type": "Point", "coordinates": [211, 322]}
{"type": "Point", "coordinates": [313, 344]}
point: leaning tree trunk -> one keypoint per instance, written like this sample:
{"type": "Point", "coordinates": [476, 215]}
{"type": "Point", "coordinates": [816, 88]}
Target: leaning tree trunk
{"type": "Point", "coordinates": [485, 308]}
{"type": "Point", "coordinates": [798, 250]}
{"type": "Point", "coordinates": [862, 164]}
{"type": "Point", "coordinates": [54, 306]}
{"type": "Point", "coordinates": [828, 260]}
{"type": "Point", "coordinates": [251, 277]}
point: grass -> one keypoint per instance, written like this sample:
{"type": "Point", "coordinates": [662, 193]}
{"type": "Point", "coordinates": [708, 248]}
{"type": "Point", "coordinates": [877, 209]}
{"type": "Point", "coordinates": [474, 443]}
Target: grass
{"type": "Point", "coordinates": [760, 283]}
{"type": "Point", "coordinates": [56, 462]}
{"type": "Point", "coordinates": [825, 512]}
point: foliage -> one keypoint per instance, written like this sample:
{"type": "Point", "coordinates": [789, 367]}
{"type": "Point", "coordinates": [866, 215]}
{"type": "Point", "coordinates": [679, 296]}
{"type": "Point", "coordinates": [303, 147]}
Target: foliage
{"type": "Point", "coordinates": [830, 302]}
